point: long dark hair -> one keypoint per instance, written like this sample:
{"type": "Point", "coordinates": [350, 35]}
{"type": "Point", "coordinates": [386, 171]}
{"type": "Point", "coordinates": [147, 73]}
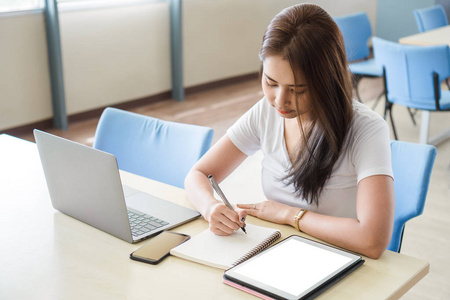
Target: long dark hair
{"type": "Point", "coordinates": [308, 38]}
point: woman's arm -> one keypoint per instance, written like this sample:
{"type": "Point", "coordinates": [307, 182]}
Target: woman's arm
{"type": "Point", "coordinates": [222, 159]}
{"type": "Point", "coordinates": [369, 234]}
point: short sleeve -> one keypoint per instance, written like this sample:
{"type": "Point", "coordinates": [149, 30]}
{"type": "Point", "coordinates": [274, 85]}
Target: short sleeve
{"type": "Point", "coordinates": [371, 153]}
{"type": "Point", "coordinates": [245, 132]}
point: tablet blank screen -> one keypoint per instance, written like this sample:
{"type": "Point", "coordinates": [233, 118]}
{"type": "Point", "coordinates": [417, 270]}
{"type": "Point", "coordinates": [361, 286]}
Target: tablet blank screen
{"type": "Point", "coordinates": [293, 266]}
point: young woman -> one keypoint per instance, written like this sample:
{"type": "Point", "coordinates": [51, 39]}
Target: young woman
{"type": "Point", "coordinates": [326, 169]}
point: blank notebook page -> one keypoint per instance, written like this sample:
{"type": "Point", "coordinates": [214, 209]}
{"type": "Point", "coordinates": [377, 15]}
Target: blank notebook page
{"type": "Point", "coordinates": [223, 251]}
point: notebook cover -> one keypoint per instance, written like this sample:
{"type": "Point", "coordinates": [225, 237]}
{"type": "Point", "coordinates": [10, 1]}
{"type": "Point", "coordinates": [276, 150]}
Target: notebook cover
{"type": "Point", "coordinates": [246, 289]}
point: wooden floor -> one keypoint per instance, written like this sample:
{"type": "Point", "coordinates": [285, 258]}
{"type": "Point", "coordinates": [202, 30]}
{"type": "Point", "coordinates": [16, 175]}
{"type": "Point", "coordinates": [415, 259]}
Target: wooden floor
{"type": "Point", "coordinates": [426, 237]}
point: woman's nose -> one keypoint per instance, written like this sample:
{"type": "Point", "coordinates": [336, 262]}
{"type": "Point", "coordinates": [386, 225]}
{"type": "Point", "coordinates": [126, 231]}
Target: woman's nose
{"type": "Point", "coordinates": [283, 98]}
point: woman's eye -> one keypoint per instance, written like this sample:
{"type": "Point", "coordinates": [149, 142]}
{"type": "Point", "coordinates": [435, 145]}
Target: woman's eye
{"type": "Point", "coordinates": [269, 84]}
{"type": "Point", "coordinates": [297, 92]}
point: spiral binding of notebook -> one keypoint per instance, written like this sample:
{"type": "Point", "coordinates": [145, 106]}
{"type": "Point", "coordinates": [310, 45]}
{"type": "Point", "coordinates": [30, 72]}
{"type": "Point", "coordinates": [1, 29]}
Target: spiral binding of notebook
{"type": "Point", "coordinates": [259, 248]}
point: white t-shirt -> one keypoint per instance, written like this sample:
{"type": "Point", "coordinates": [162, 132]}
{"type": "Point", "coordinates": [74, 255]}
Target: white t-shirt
{"type": "Point", "coordinates": [368, 153]}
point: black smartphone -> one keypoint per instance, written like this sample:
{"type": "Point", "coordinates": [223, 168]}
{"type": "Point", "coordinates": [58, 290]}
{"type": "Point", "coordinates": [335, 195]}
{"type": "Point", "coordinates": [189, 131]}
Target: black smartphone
{"type": "Point", "coordinates": [158, 248]}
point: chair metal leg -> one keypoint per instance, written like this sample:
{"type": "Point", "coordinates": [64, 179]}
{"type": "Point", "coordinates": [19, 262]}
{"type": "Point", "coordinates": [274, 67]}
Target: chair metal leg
{"type": "Point", "coordinates": [392, 122]}
{"type": "Point", "coordinates": [388, 105]}
{"type": "Point", "coordinates": [424, 127]}
{"type": "Point", "coordinates": [388, 108]}
{"type": "Point", "coordinates": [356, 80]}
{"type": "Point", "coordinates": [378, 100]}
{"type": "Point", "coordinates": [412, 116]}
{"type": "Point", "coordinates": [401, 239]}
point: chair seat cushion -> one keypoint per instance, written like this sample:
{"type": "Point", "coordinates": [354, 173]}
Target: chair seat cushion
{"type": "Point", "coordinates": [366, 67]}
{"type": "Point", "coordinates": [444, 102]}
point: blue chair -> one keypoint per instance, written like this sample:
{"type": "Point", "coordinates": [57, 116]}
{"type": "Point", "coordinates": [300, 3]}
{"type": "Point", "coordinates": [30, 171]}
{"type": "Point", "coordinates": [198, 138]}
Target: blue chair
{"type": "Point", "coordinates": [413, 76]}
{"type": "Point", "coordinates": [412, 165]}
{"type": "Point", "coordinates": [357, 31]}
{"type": "Point", "coordinates": [430, 18]}
{"type": "Point", "coordinates": [160, 150]}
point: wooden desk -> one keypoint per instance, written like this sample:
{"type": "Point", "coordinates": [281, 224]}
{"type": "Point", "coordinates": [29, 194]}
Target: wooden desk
{"type": "Point", "coordinates": [438, 36]}
{"type": "Point", "coordinates": [45, 254]}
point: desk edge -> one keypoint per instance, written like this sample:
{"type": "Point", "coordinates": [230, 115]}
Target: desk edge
{"type": "Point", "coordinates": [408, 285]}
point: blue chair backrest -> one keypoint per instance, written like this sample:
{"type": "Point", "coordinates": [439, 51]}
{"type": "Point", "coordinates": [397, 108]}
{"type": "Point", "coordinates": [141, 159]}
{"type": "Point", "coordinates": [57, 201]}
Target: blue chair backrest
{"type": "Point", "coordinates": [430, 18]}
{"type": "Point", "coordinates": [356, 31]}
{"type": "Point", "coordinates": [412, 165]}
{"type": "Point", "coordinates": [409, 70]}
{"type": "Point", "coordinates": [161, 150]}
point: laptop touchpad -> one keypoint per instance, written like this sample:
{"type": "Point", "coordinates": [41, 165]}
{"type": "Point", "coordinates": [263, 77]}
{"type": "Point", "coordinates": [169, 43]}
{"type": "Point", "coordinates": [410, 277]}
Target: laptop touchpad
{"type": "Point", "coordinates": [147, 203]}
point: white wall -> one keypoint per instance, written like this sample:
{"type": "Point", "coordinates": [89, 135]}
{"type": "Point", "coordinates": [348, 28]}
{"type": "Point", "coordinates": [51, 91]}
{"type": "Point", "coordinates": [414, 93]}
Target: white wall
{"type": "Point", "coordinates": [222, 37]}
{"type": "Point", "coordinates": [24, 74]}
{"type": "Point", "coordinates": [396, 18]}
{"type": "Point", "coordinates": [114, 55]}
{"type": "Point", "coordinates": [120, 54]}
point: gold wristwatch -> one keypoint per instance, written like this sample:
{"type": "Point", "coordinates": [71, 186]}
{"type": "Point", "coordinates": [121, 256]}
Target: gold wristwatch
{"type": "Point", "coordinates": [298, 216]}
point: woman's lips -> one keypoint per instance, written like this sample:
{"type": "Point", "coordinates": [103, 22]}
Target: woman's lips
{"type": "Point", "coordinates": [283, 111]}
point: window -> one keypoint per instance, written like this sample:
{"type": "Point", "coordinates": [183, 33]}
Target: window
{"type": "Point", "coordinates": [20, 5]}
{"type": "Point", "coordinates": [67, 5]}
{"type": "Point", "coordinates": [14, 6]}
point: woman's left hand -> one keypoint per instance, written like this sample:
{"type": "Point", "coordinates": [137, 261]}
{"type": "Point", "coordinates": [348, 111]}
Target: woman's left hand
{"type": "Point", "coordinates": [269, 210]}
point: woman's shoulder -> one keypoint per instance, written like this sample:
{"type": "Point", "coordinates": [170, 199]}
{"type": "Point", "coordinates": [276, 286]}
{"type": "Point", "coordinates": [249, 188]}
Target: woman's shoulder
{"type": "Point", "coordinates": [364, 116]}
{"type": "Point", "coordinates": [366, 125]}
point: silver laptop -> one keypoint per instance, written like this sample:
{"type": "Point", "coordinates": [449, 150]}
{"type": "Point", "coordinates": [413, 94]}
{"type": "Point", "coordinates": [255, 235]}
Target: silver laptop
{"type": "Point", "coordinates": [85, 184]}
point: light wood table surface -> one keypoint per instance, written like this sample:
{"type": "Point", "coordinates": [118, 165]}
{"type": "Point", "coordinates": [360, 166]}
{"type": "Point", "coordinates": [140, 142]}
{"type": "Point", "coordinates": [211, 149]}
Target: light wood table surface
{"type": "Point", "coordinates": [48, 255]}
{"type": "Point", "coordinates": [438, 36]}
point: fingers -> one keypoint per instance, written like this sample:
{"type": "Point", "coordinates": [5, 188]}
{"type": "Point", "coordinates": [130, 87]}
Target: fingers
{"type": "Point", "coordinates": [250, 209]}
{"type": "Point", "coordinates": [220, 228]}
{"type": "Point", "coordinates": [220, 232]}
{"type": "Point", "coordinates": [242, 216]}
{"type": "Point", "coordinates": [268, 210]}
{"type": "Point", "coordinates": [224, 221]}
{"type": "Point", "coordinates": [247, 206]}
{"type": "Point", "coordinates": [223, 231]}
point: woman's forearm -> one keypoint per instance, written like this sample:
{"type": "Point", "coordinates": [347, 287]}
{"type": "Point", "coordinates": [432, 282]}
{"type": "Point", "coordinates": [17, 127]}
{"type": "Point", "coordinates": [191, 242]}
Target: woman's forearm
{"type": "Point", "coordinates": [347, 233]}
{"type": "Point", "coordinates": [200, 192]}
{"type": "Point", "coordinates": [365, 237]}
{"type": "Point", "coordinates": [368, 234]}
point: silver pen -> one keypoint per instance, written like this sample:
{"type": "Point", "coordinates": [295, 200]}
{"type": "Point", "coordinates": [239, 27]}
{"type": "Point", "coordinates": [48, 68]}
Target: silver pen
{"type": "Point", "coordinates": [222, 196]}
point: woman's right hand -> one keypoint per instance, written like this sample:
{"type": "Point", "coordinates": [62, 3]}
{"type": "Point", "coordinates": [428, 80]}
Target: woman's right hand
{"type": "Point", "coordinates": [221, 160]}
{"type": "Point", "coordinates": [224, 221]}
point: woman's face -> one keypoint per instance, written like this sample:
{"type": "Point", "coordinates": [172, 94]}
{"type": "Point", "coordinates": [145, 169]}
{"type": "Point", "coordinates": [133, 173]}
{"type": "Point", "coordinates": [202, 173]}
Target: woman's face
{"type": "Point", "coordinates": [280, 90]}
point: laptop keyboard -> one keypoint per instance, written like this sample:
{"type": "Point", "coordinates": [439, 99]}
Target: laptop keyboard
{"type": "Point", "coordinates": [142, 223]}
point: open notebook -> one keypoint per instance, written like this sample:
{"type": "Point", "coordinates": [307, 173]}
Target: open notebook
{"type": "Point", "coordinates": [223, 252]}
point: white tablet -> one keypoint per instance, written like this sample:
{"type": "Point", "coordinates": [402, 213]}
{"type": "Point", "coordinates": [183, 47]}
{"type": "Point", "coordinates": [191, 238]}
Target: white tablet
{"type": "Point", "coordinates": [295, 268]}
